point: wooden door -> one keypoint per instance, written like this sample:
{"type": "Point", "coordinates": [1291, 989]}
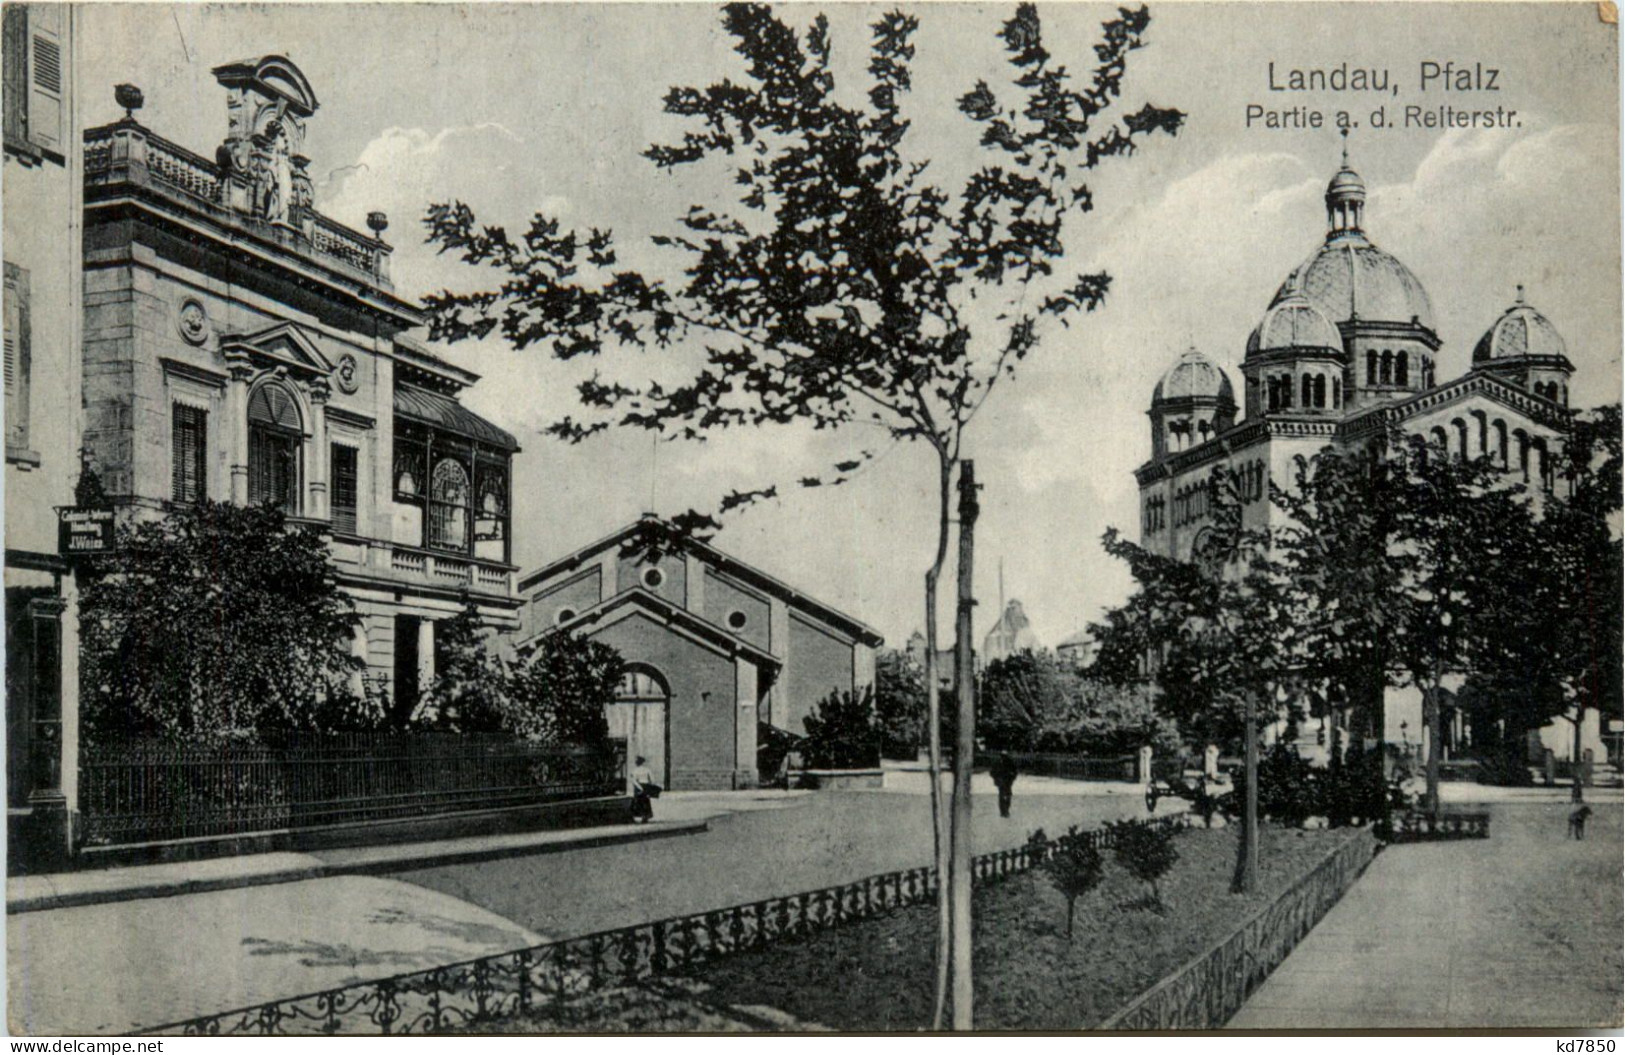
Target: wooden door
{"type": "Point", "coordinates": [638, 717]}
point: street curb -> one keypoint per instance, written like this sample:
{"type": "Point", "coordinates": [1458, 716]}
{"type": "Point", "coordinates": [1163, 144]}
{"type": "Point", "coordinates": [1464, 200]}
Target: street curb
{"type": "Point", "coordinates": [381, 865]}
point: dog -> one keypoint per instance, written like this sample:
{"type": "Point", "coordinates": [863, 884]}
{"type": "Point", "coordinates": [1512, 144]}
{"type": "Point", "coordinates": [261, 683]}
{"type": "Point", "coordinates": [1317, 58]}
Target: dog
{"type": "Point", "coordinates": [1577, 821]}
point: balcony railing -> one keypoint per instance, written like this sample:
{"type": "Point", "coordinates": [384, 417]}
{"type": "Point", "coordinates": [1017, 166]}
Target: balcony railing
{"type": "Point", "coordinates": [128, 152]}
{"type": "Point", "coordinates": [412, 565]}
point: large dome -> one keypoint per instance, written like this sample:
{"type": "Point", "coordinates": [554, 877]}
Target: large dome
{"type": "Point", "coordinates": [1520, 331]}
{"type": "Point", "coordinates": [1293, 322]}
{"type": "Point", "coordinates": [1194, 376]}
{"type": "Point", "coordinates": [1349, 276]}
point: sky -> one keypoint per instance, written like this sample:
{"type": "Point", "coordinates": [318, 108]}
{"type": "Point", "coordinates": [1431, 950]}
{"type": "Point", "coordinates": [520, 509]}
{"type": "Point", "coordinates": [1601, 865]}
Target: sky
{"type": "Point", "coordinates": [522, 108]}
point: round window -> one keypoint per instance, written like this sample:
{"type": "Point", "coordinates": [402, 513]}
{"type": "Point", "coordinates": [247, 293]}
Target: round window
{"type": "Point", "coordinates": [737, 620]}
{"type": "Point", "coordinates": [564, 616]}
{"type": "Point", "coordinates": [653, 577]}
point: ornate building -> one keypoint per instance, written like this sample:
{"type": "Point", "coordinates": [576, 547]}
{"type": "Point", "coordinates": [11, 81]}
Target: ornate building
{"type": "Point", "coordinates": [242, 346]}
{"type": "Point", "coordinates": [1346, 351]}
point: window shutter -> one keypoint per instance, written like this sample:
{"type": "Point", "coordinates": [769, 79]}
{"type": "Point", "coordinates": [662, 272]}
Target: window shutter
{"type": "Point", "coordinates": [45, 76]}
{"type": "Point", "coordinates": [19, 355]}
{"type": "Point", "coordinates": [14, 67]}
{"type": "Point", "coordinates": [189, 451]}
{"type": "Point", "coordinates": [344, 489]}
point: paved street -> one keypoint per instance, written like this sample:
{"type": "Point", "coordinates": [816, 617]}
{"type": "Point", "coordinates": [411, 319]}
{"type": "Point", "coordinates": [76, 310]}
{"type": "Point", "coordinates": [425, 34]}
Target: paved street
{"type": "Point", "coordinates": [830, 838]}
{"type": "Point", "coordinates": [159, 960]}
{"type": "Point", "coordinates": [1520, 930]}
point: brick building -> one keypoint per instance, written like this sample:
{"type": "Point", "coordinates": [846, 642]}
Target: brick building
{"type": "Point", "coordinates": [714, 646]}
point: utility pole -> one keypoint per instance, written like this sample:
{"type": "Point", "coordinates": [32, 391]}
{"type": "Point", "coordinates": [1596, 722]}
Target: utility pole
{"type": "Point", "coordinates": [959, 871]}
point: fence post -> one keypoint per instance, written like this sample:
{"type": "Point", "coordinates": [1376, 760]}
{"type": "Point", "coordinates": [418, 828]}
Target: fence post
{"type": "Point", "coordinates": [1210, 762]}
{"type": "Point", "coordinates": [1145, 764]}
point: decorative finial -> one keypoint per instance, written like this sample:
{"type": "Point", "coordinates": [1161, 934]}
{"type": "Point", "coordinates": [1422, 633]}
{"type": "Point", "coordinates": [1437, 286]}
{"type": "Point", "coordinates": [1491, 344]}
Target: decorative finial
{"type": "Point", "coordinates": [1520, 293]}
{"type": "Point", "coordinates": [1345, 135]}
{"type": "Point", "coordinates": [378, 222]}
{"type": "Point", "coordinates": [129, 97]}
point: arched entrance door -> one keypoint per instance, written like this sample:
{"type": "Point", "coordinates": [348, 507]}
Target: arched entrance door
{"type": "Point", "coordinates": [638, 716]}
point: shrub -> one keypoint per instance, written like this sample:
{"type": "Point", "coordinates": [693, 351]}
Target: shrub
{"type": "Point", "coordinates": [1287, 786]}
{"type": "Point", "coordinates": [1075, 870]}
{"type": "Point", "coordinates": [560, 695]}
{"type": "Point", "coordinates": [1145, 851]}
{"type": "Point", "coordinates": [841, 732]}
{"type": "Point", "coordinates": [899, 704]}
{"type": "Point", "coordinates": [217, 621]}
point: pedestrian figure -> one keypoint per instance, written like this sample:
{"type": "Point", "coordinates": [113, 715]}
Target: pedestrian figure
{"type": "Point", "coordinates": [644, 792]}
{"type": "Point", "coordinates": [1577, 822]}
{"type": "Point", "coordinates": [1003, 772]}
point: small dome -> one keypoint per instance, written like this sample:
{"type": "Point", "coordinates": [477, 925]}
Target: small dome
{"type": "Point", "coordinates": [1347, 183]}
{"type": "Point", "coordinates": [1294, 323]}
{"type": "Point", "coordinates": [1194, 376]}
{"type": "Point", "coordinates": [1520, 331]}
{"type": "Point", "coordinates": [1350, 277]}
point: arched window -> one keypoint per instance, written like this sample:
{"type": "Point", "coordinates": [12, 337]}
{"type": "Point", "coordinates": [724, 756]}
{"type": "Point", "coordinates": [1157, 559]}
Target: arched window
{"type": "Point", "coordinates": [1500, 430]}
{"type": "Point", "coordinates": [1286, 392]}
{"type": "Point", "coordinates": [1438, 438]}
{"type": "Point", "coordinates": [1320, 390]}
{"type": "Point", "coordinates": [1337, 391]}
{"type": "Point", "coordinates": [1308, 391]}
{"type": "Point", "coordinates": [1522, 439]}
{"type": "Point", "coordinates": [448, 505]}
{"type": "Point", "coordinates": [1461, 438]}
{"type": "Point", "coordinates": [1371, 366]}
{"type": "Point", "coordinates": [1387, 368]}
{"type": "Point", "coordinates": [274, 440]}
{"type": "Point", "coordinates": [1563, 395]}
{"type": "Point", "coordinates": [1402, 368]}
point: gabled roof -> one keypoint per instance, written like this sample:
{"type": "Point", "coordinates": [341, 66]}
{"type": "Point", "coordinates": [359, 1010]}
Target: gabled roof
{"type": "Point", "coordinates": [1476, 382]}
{"type": "Point", "coordinates": [720, 560]}
{"type": "Point", "coordinates": [664, 611]}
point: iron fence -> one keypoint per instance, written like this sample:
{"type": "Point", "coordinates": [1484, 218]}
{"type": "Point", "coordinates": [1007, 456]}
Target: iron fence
{"type": "Point", "coordinates": [1206, 992]}
{"type": "Point", "coordinates": [142, 791]}
{"type": "Point", "coordinates": [550, 975]}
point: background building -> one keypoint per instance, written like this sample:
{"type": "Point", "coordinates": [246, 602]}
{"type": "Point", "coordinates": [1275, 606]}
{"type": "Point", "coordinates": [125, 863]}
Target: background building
{"type": "Point", "coordinates": [42, 317]}
{"type": "Point", "coordinates": [1346, 352]}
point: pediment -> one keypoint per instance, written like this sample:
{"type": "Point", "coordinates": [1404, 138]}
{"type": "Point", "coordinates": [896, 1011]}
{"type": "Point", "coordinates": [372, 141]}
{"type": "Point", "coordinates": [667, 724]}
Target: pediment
{"type": "Point", "coordinates": [285, 344]}
{"type": "Point", "coordinates": [1485, 388]}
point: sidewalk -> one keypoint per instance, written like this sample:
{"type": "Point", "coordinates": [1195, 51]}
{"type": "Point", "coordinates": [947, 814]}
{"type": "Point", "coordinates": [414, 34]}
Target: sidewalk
{"type": "Point", "coordinates": [1521, 930]}
{"type": "Point", "coordinates": [102, 885]}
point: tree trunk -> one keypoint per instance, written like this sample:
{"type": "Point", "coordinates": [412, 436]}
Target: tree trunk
{"type": "Point", "coordinates": [1071, 905]}
{"type": "Point", "coordinates": [1435, 733]}
{"type": "Point", "coordinates": [1248, 880]}
{"type": "Point", "coordinates": [933, 706]}
{"type": "Point", "coordinates": [964, 752]}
